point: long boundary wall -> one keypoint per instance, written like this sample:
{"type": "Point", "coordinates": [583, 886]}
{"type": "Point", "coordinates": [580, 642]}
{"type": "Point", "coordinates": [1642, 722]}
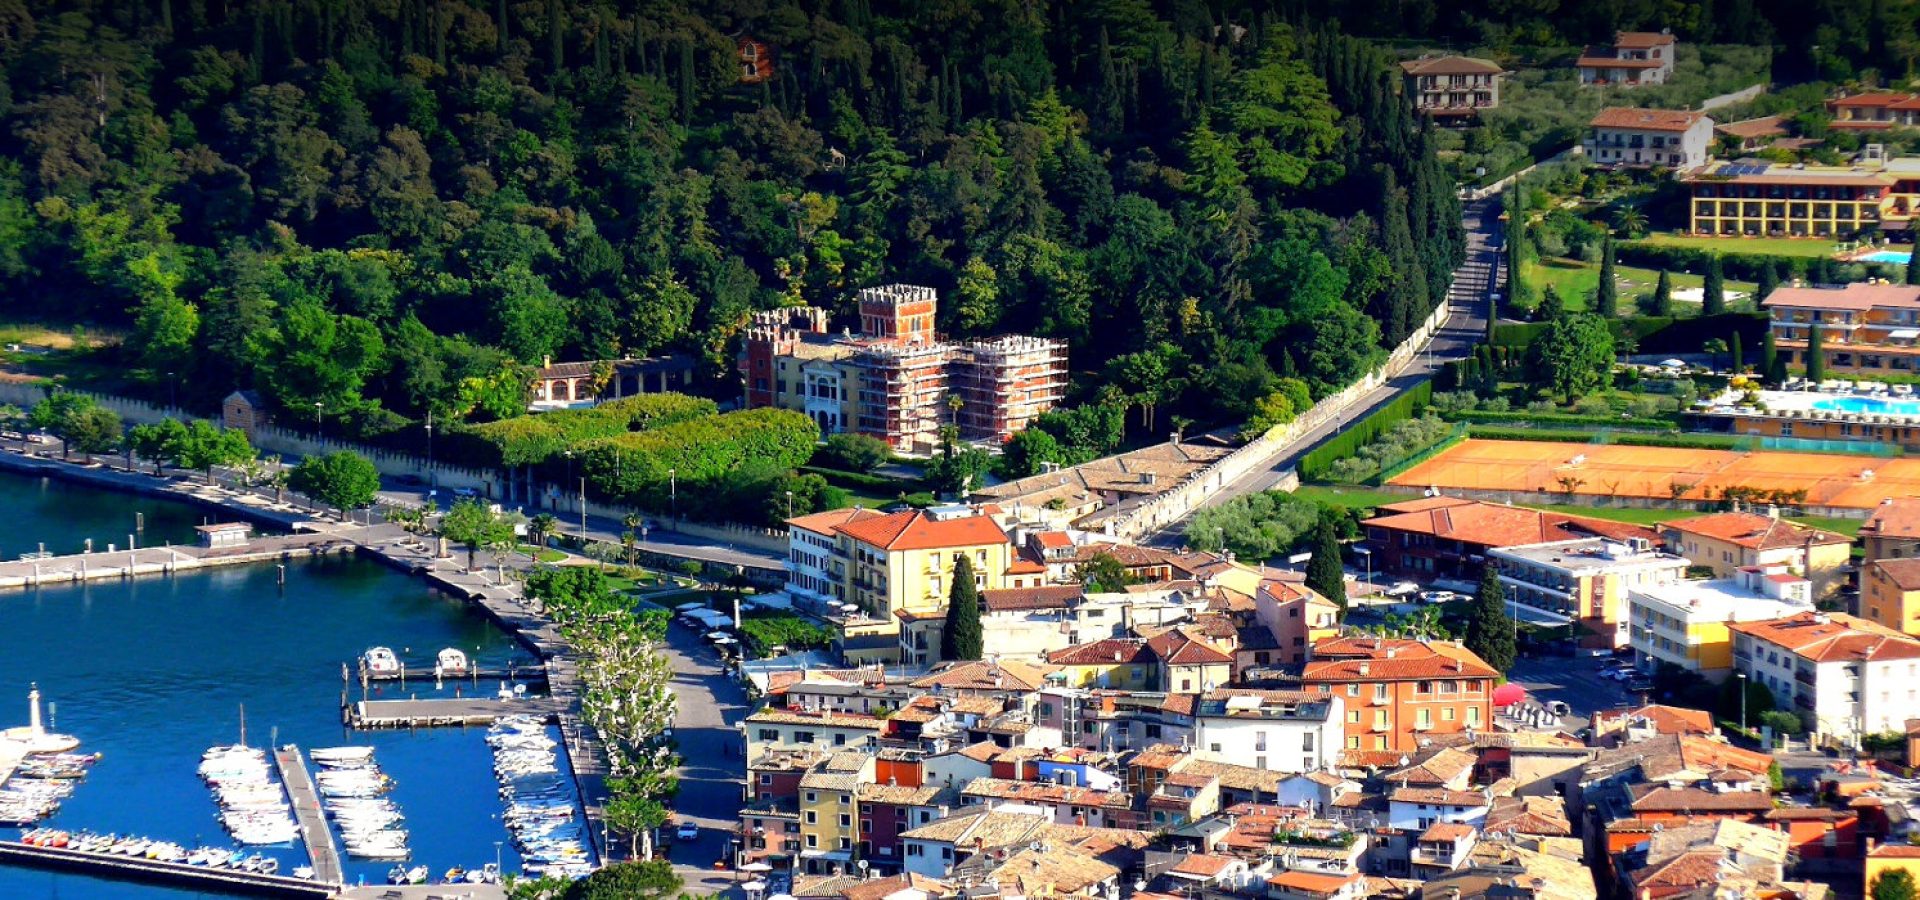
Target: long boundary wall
{"type": "Point", "coordinates": [1179, 501]}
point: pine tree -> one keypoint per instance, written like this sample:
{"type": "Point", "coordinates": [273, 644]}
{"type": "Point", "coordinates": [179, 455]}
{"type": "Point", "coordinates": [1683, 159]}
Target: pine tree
{"type": "Point", "coordinates": [1324, 574]}
{"type": "Point", "coordinates": [961, 638]}
{"type": "Point", "coordinates": [1490, 632]}
{"type": "Point", "coordinates": [1816, 355]}
{"type": "Point", "coordinates": [1663, 295]}
{"type": "Point", "coordinates": [1551, 306]}
{"type": "Point", "coordinates": [1606, 300]}
{"type": "Point", "coordinates": [1713, 297]}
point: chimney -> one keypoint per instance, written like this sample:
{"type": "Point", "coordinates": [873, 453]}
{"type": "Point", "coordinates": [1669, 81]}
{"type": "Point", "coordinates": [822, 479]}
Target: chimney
{"type": "Point", "coordinates": [1365, 668]}
{"type": "Point", "coordinates": [546, 362]}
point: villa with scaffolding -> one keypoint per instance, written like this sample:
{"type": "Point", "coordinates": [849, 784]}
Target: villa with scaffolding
{"type": "Point", "coordinates": [896, 379]}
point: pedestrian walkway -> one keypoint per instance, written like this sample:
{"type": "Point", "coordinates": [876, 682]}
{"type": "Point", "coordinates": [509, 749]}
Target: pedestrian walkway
{"type": "Point", "coordinates": [321, 852]}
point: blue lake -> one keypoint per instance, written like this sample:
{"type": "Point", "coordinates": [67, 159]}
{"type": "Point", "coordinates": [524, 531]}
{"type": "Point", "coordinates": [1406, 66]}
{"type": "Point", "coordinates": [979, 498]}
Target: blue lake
{"type": "Point", "coordinates": [153, 671]}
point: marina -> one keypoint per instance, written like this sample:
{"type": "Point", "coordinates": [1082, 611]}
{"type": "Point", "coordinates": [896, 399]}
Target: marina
{"type": "Point", "coordinates": [118, 564]}
{"type": "Point", "coordinates": [163, 872]}
{"type": "Point", "coordinates": [451, 712]}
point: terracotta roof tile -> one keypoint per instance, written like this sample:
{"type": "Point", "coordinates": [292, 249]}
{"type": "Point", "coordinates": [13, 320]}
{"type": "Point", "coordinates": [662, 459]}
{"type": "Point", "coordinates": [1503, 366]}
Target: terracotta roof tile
{"type": "Point", "coordinates": [1451, 65]}
{"type": "Point", "coordinates": [916, 529]}
{"type": "Point", "coordinates": [1830, 637]}
{"type": "Point", "coordinates": [1383, 659]}
{"type": "Point", "coordinates": [830, 521]}
{"type": "Point", "coordinates": [1642, 40]}
{"type": "Point", "coordinates": [1312, 883]}
{"type": "Point", "coordinates": [1660, 798]}
{"type": "Point", "coordinates": [1765, 126]}
{"type": "Point", "coordinates": [1031, 598]}
{"type": "Point", "coordinates": [980, 675]}
{"type": "Point", "coordinates": [1646, 119]}
{"type": "Point", "coordinates": [1178, 647]}
{"type": "Point", "coordinates": [1202, 865]}
{"type": "Point", "coordinates": [1496, 525]}
{"type": "Point", "coordinates": [1903, 573]}
{"type": "Point", "coordinates": [1448, 832]}
{"type": "Point", "coordinates": [1754, 530]}
{"type": "Point", "coordinates": [1112, 651]}
{"type": "Point", "coordinates": [1893, 518]}
{"type": "Point", "coordinates": [1438, 795]}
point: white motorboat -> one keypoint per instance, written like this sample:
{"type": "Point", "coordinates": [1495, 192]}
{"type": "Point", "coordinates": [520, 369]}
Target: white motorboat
{"type": "Point", "coordinates": [380, 661]}
{"type": "Point", "coordinates": [451, 663]}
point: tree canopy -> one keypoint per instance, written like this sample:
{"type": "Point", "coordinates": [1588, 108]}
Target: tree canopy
{"type": "Point", "coordinates": [344, 480]}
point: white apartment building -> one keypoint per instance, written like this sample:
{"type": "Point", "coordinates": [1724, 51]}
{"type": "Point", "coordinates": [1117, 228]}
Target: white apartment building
{"type": "Point", "coordinates": [1843, 675]}
{"type": "Point", "coordinates": [1686, 623]}
{"type": "Point", "coordinates": [1624, 136]}
{"type": "Point", "coordinates": [1282, 731]}
{"type": "Point", "coordinates": [1586, 580]}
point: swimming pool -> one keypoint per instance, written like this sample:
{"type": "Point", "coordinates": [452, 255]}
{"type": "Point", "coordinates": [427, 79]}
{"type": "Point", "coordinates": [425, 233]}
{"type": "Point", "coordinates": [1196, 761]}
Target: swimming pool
{"type": "Point", "coordinates": [1885, 256]}
{"type": "Point", "coordinates": [1870, 406]}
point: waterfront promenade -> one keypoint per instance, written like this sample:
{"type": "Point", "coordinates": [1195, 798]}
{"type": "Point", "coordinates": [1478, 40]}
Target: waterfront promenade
{"type": "Point", "coordinates": [124, 563]}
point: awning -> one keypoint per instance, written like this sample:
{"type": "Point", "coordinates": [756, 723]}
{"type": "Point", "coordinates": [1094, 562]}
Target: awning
{"type": "Point", "coordinates": [1903, 334]}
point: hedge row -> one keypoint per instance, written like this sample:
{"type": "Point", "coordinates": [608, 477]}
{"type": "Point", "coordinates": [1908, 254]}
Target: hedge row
{"type": "Point", "coordinates": [1655, 334]}
{"type": "Point", "coordinates": [1742, 266]}
{"type": "Point", "coordinates": [643, 467]}
{"type": "Point", "coordinates": [862, 480]}
{"type": "Point", "coordinates": [1629, 438]}
{"type": "Point", "coordinates": [1314, 465]}
{"type": "Point", "coordinates": [536, 438]}
{"type": "Point", "coordinates": [1521, 416]}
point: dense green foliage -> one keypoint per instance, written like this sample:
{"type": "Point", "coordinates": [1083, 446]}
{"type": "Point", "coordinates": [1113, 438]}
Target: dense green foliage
{"type": "Point", "coordinates": [857, 453]}
{"type": "Point", "coordinates": [1324, 572]}
{"type": "Point", "coordinates": [644, 468]}
{"type": "Point", "coordinates": [1317, 464]}
{"type": "Point", "coordinates": [344, 480]}
{"type": "Point", "coordinates": [535, 439]}
{"type": "Point", "coordinates": [1256, 526]}
{"type": "Point", "coordinates": [1490, 630]}
{"type": "Point", "coordinates": [763, 631]}
{"type": "Point", "coordinates": [1400, 441]}
{"type": "Point", "coordinates": [375, 211]}
{"type": "Point", "coordinates": [962, 638]}
{"type": "Point", "coordinates": [477, 526]}
{"type": "Point", "coordinates": [1741, 265]}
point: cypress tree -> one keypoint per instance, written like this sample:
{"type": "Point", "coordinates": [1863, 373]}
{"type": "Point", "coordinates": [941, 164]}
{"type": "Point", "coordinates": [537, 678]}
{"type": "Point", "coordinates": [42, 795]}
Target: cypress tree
{"type": "Point", "coordinates": [1713, 299]}
{"type": "Point", "coordinates": [556, 47]}
{"type": "Point", "coordinates": [1913, 266]}
{"type": "Point", "coordinates": [1490, 631]}
{"type": "Point", "coordinates": [1324, 574]}
{"type": "Point", "coordinates": [1606, 300]}
{"type": "Point", "coordinates": [961, 639]}
{"type": "Point", "coordinates": [1770, 367]}
{"type": "Point", "coordinates": [1816, 355]}
{"type": "Point", "coordinates": [1663, 295]}
{"type": "Point", "coordinates": [1733, 346]}
{"type": "Point", "coordinates": [1551, 306]}
{"type": "Point", "coordinates": [1769, 280]}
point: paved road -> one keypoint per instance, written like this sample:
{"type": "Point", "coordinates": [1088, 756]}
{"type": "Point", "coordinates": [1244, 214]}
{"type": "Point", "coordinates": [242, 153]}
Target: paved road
{"type": "Point", "coordinates": [1464, 327]}
{"type": "Point", "coordinates": [711, 707]}
{"type": "Point", "coordinates": [1575, 681]}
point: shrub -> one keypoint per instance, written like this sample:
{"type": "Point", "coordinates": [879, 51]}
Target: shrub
{"type": "Point", "coordinates": [640, 468]}
{"type": "Point", "coordinates": [853, 453]}
{"type": "Point", "coordinates": [1401, 440]}
{"type": "Point", "coordinates": [1255, 526]}
{"type": "Point", "coordinates": [537, 438]}
{"type": "Point", "coordinates": [1315, 464]}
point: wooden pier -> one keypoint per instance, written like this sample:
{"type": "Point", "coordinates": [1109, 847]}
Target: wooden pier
{"type": "Point", "coordinates": [532, 673]}
{"type": "Point", "coordinates": [154, 871]}
{"type": "Point", "coordinates": [449, 712]}
{"type": "Point", "coordinates": [321, 852]}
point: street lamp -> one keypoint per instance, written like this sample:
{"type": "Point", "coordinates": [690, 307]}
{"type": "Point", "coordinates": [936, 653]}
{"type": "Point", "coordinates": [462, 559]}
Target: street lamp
{"type": "Point", "coordinates": [789, 504]}
{"type": "Point", "coordinates": [431, 480]}
{"type": "Point", "coordinates": [496, 857]}
{"type": "Point", "coordinates": [1743, 699]}
{"type": "Point", "coordinates": [316, 417]}
{"type": "Point", "coordinates": [673, 492]}
{"type": "Point", "coordinates": [583, 513]}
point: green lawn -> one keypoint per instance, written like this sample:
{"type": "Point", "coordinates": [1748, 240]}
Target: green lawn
{"type": "Point", "coordinates": [1348, 496]}
{"type": "Point", "coordinates": [1778, 246]}
{"type": "Point", "coordinates": [1576, 281]}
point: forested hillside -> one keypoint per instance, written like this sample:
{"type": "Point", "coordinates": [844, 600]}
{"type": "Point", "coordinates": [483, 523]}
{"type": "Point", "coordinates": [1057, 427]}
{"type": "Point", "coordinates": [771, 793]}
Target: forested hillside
{"type": "Point", "coordinates": [377, 208]}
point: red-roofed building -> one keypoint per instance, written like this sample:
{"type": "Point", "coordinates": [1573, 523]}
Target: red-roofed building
{"type": "Point", "coordinates": [1864, 328]}
{"type": "Point", "coordinates": [1635, 58]}
{"type": "Point", "coordinates": [1844, 676]}
{"type": "Point", "coordinates": [1298, 885]}
{"type": "Point", "coordinates": [1452, 87]}
{"type": "Point", "coordinates": [1875, 111]}
{"type": "Point", "coordinates": [1399, 692]}
{"type": "Point", "coordinates": [1892, 530]}
{"type": "Point", "coordinates": [1728, 542]}
{"type": "Point", "coordinates": [1448, 537]}
{"type": "Point", "coordinates": [1627, 136]}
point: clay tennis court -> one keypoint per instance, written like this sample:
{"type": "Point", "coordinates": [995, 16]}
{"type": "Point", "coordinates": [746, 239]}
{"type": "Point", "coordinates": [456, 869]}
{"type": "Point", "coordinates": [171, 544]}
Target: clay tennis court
{"type": "Point", "coordinates": [1612, 470]}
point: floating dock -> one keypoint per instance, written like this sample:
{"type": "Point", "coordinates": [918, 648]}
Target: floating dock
{"type": "Point", "coordinates": [115, 564]}
{"type": "Point", "coordinates": [532, 673]}
{"type": "Point", "coordinates": [321, 853]}
{"type": "Point", "coordinates": [449, 712]}
{"type": "Point", "coordinates": [168, 873]}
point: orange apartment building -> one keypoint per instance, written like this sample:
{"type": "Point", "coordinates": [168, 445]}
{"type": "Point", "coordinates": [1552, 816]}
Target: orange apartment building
{"type": "Point", "coordinates": [1864, 328]}
{"type": "Point", "coordinates": [1875, 111]}
{"type": "Point", "coordinates": [893, 379]}
{"type": "Point", "coordinates": [1397, 692]}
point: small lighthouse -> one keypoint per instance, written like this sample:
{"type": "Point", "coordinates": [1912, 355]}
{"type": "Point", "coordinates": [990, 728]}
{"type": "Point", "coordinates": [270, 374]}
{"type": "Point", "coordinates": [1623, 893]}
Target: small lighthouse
{"type": "Point", "coordinates": [34, 736]}
{"type": "Point", "coordinates": [34, 727]}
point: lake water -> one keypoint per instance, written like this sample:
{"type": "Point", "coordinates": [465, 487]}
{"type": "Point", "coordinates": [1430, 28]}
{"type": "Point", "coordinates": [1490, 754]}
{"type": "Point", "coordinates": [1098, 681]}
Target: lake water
{"type": "Point", "coordinates": [153, 671]}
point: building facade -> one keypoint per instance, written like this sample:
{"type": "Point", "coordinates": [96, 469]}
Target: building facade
{"type": "Point", "coordinates": [1732, 542]}
{"type": "Point", "coordinates": [1452, 87]}
{"type": "Point", "coordinates": [1398, 692]}
{"type": "Point", "coordinates": [894, 378]}
{"type": "Point", "coordinates": [1845, 677]}
{"type": "Point", "coordinates": [1864, 328]}
{"type": "Point", "coordinates": [1629, 137]}
{"type": "Point", "coordinates": [1890, 594]}
{"type": "Point", "coordinates": [1874, 111]}
{"type": "Point", "coordinates": [1753, 198]}
{"type": "Point", "coordinates": [1685, 624]}
{"type": "Point", "coordinates": [1634, 58]}
{"type": "Point", "coordinates": [1449, 537]}
{"type": "Point", "coordinates": [1586, 580]}
{"type": "Point", "coordinates": [1284, 731]}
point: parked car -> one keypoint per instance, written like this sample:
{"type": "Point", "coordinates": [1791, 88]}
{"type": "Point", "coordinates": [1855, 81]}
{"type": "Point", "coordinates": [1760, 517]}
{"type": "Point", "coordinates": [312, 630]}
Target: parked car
{"type": "Point", "coordinates": [1438, 596]}
{"type": "Point", "coordinates": [1638, 685]}
{"type": "Point", "coordinates": [687, 832]}
{"type": "Point", "coordinates": [1402, 589]}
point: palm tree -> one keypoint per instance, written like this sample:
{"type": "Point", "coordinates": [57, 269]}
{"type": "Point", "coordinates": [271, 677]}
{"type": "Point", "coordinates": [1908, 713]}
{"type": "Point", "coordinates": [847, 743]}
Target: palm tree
{"type": "Point", "coordinates": [1630, 221]}
{"type": "Point", "coordinates": [627, 541]}
{"type": "Point", "coordinates": [541, 527]}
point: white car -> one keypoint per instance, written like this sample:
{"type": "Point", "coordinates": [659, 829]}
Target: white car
{"type": "Point", "coordinates": [1438, 596]}
{"type": "Point", "coordinates": [687, 832]}
{"type": "Point", "coordinates": [1402, 589]}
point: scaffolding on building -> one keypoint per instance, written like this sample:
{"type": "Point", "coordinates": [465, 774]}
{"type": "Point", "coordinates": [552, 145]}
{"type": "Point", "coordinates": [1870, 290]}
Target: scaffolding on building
{"type": "Point", "coordinates": [1004, 383]}
{"type": "Point", "coordinates": [903, 393]}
